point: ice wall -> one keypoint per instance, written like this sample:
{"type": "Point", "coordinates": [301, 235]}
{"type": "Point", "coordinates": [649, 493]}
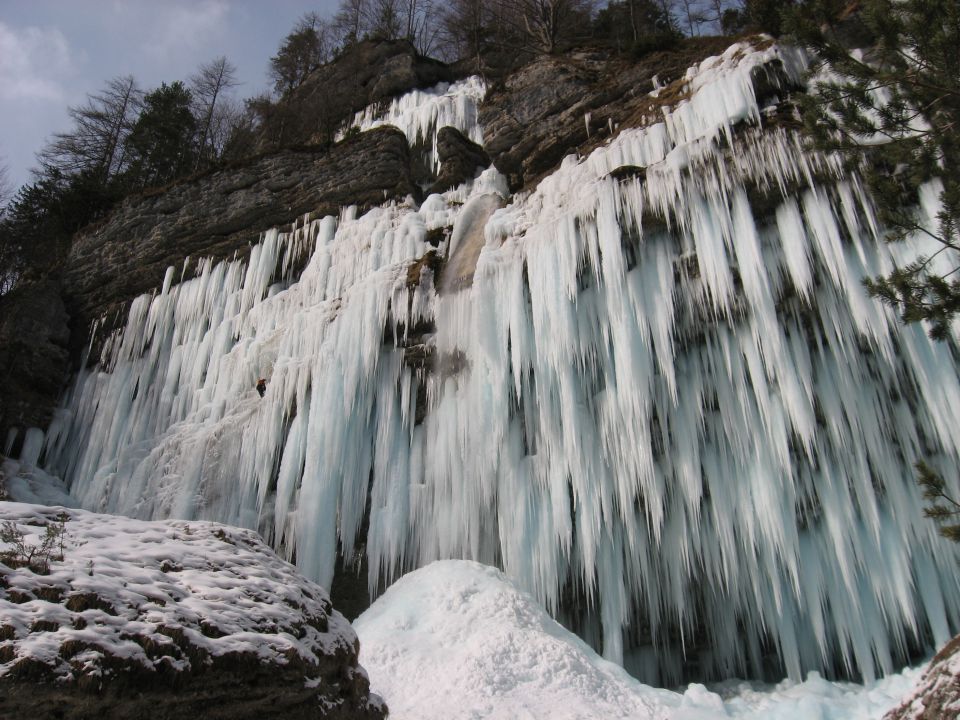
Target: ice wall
{"type": "Point", "coordinates": [664, 405]}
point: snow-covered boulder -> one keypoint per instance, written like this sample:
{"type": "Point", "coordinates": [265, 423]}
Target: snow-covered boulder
{"type": "Point", "coordinates": [121, 618]}
{"type": "Point", "coordinates": [937, 694]}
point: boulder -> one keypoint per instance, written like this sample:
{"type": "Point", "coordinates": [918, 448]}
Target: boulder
{"type": "Point", "coordinates": [125, 619]}
{"type": "Point", "coordinates": [937, 695]}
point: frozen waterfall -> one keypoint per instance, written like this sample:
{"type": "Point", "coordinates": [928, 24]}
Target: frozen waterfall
{"type": "Point", "coordinates": [662, 401]}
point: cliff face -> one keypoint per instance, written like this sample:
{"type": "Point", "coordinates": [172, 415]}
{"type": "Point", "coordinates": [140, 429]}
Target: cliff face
{"type": "Point", "coordinates": [218, 215]}
{"type": "Point", "coordinates": [369, 73]}
{"type": "Point", "coordinates": [221, 214]}
{"type": "Point", "coordinates": [33, 354]}
{"type": "Point", "coordinates": [557, 105]}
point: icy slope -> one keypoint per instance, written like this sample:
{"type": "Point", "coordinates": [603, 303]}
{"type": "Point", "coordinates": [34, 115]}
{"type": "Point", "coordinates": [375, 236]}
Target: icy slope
{"type": "Point", "coordinates": [456, 640]}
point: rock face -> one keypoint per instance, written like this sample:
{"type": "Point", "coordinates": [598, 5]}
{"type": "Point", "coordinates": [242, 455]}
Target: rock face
{"type": "Point", "coordinates": [167, 621]}
{"type": "Point", "coordinates": [460, 158]}
{"type": "Point", "coordinates": [221, 214]}
{"type": "Point", "coordinates": [369, 73]}
{"type": "Point", "coordinates": [33, 353]}
{"type": "Point", "coordinates": [558, 105]}
{"type": "Point", "coordinates": [937, 696]}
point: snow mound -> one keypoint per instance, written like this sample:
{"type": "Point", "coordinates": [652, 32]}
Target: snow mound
{"type": "Point", "coordinates": [457, 639]}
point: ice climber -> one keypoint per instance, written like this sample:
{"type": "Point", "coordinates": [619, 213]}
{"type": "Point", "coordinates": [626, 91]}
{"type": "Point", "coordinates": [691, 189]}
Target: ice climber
{"type": "Point", "coordinates": [261, 386]}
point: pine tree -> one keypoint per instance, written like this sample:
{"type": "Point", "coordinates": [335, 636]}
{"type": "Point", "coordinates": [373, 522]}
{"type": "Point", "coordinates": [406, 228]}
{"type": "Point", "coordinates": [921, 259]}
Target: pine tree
{"type": "Point", "coordinates": [161, 142]}
{"type": "Point", "coordinates": [893, 110]}
{"type": "Point", "coordinates": [303, 51]}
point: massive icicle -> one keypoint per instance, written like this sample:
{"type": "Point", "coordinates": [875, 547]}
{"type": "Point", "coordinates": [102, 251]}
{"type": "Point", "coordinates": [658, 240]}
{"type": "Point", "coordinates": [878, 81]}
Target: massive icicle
{"type": "Point", "coordinates": [655, 397]}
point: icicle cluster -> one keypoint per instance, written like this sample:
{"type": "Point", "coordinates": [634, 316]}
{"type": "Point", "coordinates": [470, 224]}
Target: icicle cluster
{"type": "Point", "coordinates": [667, 397]}
{"type": "Point", "coordinates": [421, 113]}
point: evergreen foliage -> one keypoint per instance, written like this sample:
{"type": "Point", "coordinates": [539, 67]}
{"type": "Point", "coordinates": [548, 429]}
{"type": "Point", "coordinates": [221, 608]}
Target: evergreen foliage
{"type": "Point", "coordinates": [302, 52]}
{"type": "Point", "coordinates": [942, 508]}
{"type": "Point", "coordinates": [638, 25]}
{"type": "Point", "coordinates": [162, 138]}
{"type": "Point", "coordinates": [765, 15]}
{"type": "Point", "coordinates": [36, 226]}
{"type": "Point", "coordinates": [894, 112]}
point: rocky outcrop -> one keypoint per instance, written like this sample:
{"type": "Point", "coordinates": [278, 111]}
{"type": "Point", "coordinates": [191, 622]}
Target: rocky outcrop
{"type": "Point", "coordinates": [220, 215]}
{"type": "Point", "coordinates": [459, 157]}
{"type": "Point", "coordinates": [370, 72]}
{"type": "Point", "coordinates": [558, 105]}
{"type": "Point", "coordinates": [122, 619]}
{"type": "Point", "coordinates": [33, 354]}
{"type": "Point", "coordinates": [937, 695]}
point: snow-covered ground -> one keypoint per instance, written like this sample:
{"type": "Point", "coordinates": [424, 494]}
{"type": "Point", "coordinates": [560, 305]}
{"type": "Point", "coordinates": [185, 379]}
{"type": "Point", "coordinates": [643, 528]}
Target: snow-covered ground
{"type": "Point", "coordinates": [456, 640]}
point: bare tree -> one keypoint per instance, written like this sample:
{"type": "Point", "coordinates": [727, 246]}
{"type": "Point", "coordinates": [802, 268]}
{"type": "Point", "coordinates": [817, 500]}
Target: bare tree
{"type": "Point", "coordinates": [694, 14]}
{"type": "Point", "coordinates": [350, 23]}
{"type": "Point", "coordinates": [669, 10]}
{"type": "Point", "coordinates": [469, 27]}
{"type": "Point", "coordinates": [6, 187]}
{"type": "Point", "coordinates": [97, 142]}
{"type": "Point", "coordinates": [208, 87]}
{"type": "Point", "coordinates": [385, 18]}
{"type": "Point", "coordinates": [230, 116]}
{"type": "Point", "coordinates": [545, 24]}
{"type": "Point", "coordinates": [465, 28]}
{"type": "Point", "coordinates": [421, 24]}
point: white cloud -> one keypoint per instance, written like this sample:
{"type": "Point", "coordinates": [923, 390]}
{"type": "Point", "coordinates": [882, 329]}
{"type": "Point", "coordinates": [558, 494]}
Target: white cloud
{"type": "Point", "coordinates": [176, 29]}
{"type": "Point", "coordinates": [35, 63]}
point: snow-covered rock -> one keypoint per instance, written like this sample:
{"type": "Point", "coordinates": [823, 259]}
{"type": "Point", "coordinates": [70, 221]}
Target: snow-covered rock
{"type": "Point", "coordinates": [937, 694]}
{"type": "Point", "coordinates": [166, 620]}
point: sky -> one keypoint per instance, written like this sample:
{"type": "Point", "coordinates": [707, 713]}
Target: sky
{"type": "Point", "coordinates": [53, 53]}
